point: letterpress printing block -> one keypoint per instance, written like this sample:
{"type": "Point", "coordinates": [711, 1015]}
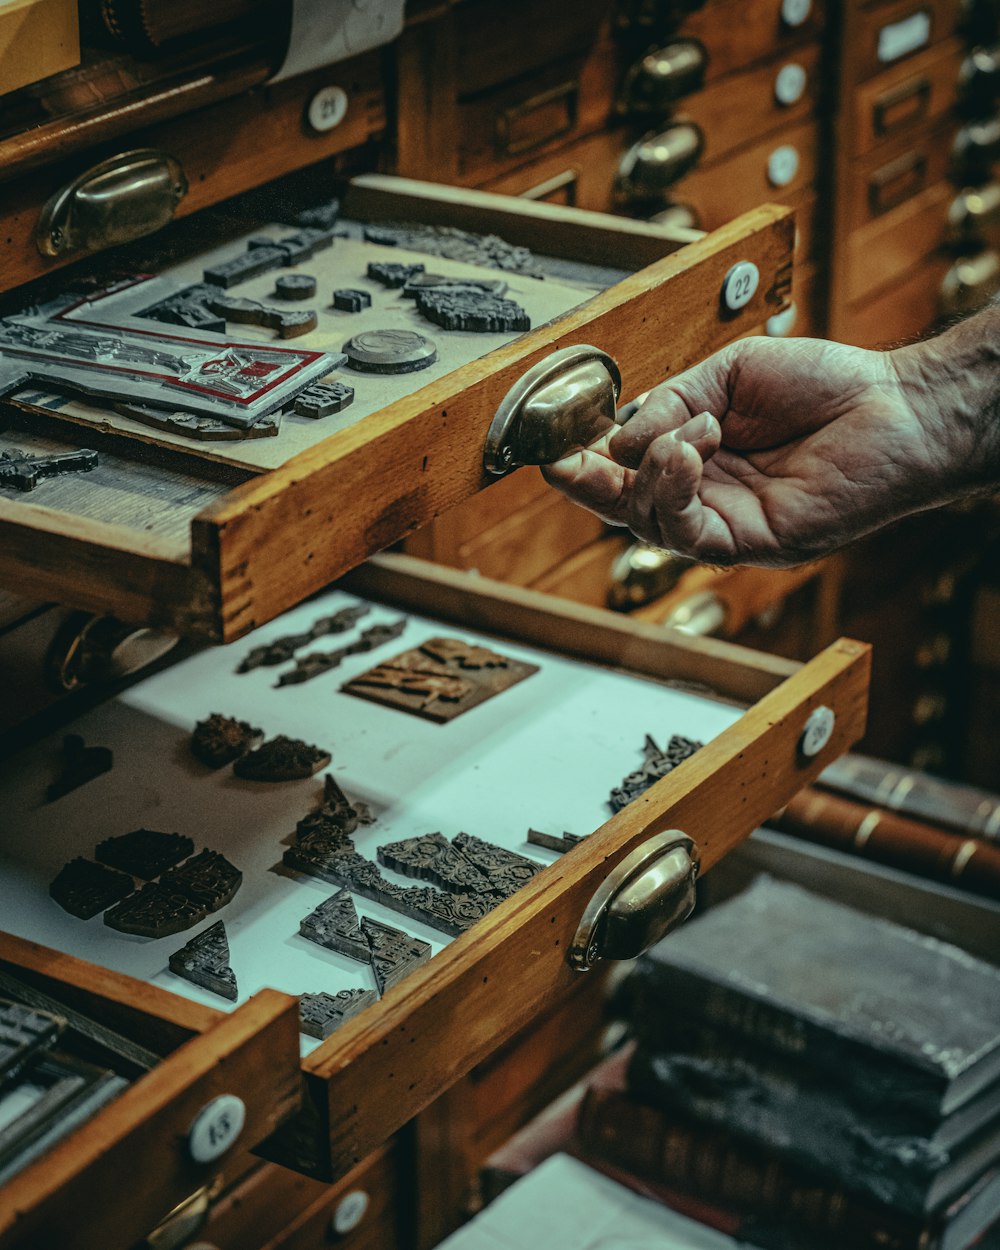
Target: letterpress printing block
{"type": "Point", "coordinates": [282, 759]}
{"type": "Point", "coordinates": [473, 311]}
{"type": "Point", "coordinates": [486, 250]}
{"type": "Point", "coordinates": [295, 286]}
{"type": "Point", "coordinates": [334, 924]}
{"type": "Point", "coordinates": [320, 217]}
{"type": "Point", "coordinates": [389, 351]}
{"type": "Point", "coordinates": [304, 244]}
{"type": "Point", "coordinates": [340, 621]}
{"type": "Point", "coordinates": [349, 299]}
{"type": "Point", "coordinates": [554, 841]}
{"type": "Point", "coordinates": [346, 813]}
{"type": "Point", "coordinates": [391, 274]}
{"type": "Point", "coordinates": [431, 857]}
{"type": "Point", "coordinates": [394, 954]}
{"type": "Point", "coordinates": [322, 399]}
{"type": "Point", "coordinates": [83, 888]}
{"type": "Point", "coordinates": [219, 740]}
{"type": "Point", "coordinates": [464, 654]}
{"type": "Point", "coordinates": [505, 870]}
{"type": "Point", "coordinates": [377, 636]}
{"type": "Point", "coordinates": [314, 664]}
{"type": "Point", "coordinates": [320, 1014]}
{"type": "Point", "coordinates": [253, 262]}
{"type": "Point", "coordinates": [154, 912]}
{"type": "Point", "coordinates": [204, 961]}
{"type": "Point", "coordinates": [144, 853]}
{"type": "Point", "coordinates": [192, 425]}
{"type": "Point", "coordinates": [80, 765]}
{"type": "Point", "coordinates": [289, 323]}
{"type": "Point", "coordinates": [208, 879]}
{"type": "Point", "coordinates": [24, 1031]}
{"type": "Point", "coordinates": [424, 282]}
{"type": "Point", "coordinates": [24, 472]}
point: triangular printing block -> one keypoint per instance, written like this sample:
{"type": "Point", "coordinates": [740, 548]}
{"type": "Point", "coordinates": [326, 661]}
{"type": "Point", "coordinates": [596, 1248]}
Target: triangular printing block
{"type": "Point", "coordinates": [394, 954]}
{"type": "Point", "coordinates": [334, 924]}
{"type": "Point", "coordinates": [320, 1014]}
{"type": "Point", "coordinates": [205, 961]}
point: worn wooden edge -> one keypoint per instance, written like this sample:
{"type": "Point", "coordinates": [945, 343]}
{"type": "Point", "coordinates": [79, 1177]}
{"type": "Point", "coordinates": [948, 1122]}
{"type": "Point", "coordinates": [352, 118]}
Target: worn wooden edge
{"type": "Point", "coordinates": [148, 1014]}
{"type": "Point", "coordinates": [574, 629]}
{"type": "Point", "coordinates": [91, 564]}
{"type": "Point", "coordinates": [549, 229]}
{"type": "Point", "coordinates": [388, 1063]}
{"type": "Point", "coordinates": [376, 482]}
{"type": "Point", "coordinates": [113, 1179]}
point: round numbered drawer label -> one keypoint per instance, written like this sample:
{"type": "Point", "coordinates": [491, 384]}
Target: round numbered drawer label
{"type": "Point", "coordinates": [818, 730]}
{"type": "Point", "coordinates": [327, 108]}
{"type": "Point", "coordinates": [782, 165]}
{"type": "Point", "coordinates": [349, 1212]}
{"type": "Point", "coordinates": [795, 12]}
{"type": "Point", "coordinates": [216, 1127]}
{"type": "Point", "coordinates": [790, 83]}
{"type": "Point", "coordinates": [740, 285]}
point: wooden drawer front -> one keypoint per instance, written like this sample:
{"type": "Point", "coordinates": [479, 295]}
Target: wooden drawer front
{"type": "Point", "coordinates": [257, 137]}
{"type": "Point", "coordinates": [228, 565]}
{"type": "Point", "coordinates": [113, 1180]}
{"type": "Point", "coordinates": [887, 34]}
{"type": "Point", "coordinates": [886, 248]}
{"type": "Point", "coordinates": [905, 100]}
{"type": "Point", "coordinates": [747, 104]}
{"type": "Point", "coordinates": [899, 313]}
{"type": "Point", "coordinates": [522, 548]}
{"type": "Point", "coordinates": [736, 34]}
{"type": "Point", "coordinates": [718, 190]}
{"type": "Point", "coordinates": [886, 179]}
{"type": "Point", "coordinates": [581, 175]}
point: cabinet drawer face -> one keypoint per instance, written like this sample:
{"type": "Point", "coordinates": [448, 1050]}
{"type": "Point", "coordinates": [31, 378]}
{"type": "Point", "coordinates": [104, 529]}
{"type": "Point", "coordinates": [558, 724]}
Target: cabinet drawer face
{"type": "Point", "coordinates": [889, 177]}
{"type": "Point", "coordinates": [581, 174]}
{"type": "Point", "coordinates": [888, 34]}
{"type": "Point", "coordinates": [900, 312]}
{"type": "Point", "coordinates": [886, 248]}
{"type": "Point", "coordinates": [191, 1092]}
{"type": "Point", "coordinates": [736, 34]}
{"type": "Point", "coordinates": [575, 692]}
{"type": "Point", "coordinates": [905, 100]}
{"type": "Point", "coordinates": [217, 537]}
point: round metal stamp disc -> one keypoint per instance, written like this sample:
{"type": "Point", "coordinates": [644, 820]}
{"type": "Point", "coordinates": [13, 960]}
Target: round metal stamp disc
{"type": "Point", "coordinates": [389, 351]}
{"type": "Point", "coordinates": [295, 286]}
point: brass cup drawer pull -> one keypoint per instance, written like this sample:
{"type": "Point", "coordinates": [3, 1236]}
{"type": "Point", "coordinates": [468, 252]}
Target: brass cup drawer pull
{"type": "Point", "coordinates": [649, 893]}
{"type": "Point", "coordinates": [563, 403]}
{"type": "Point", "coordinates": [120, 199]}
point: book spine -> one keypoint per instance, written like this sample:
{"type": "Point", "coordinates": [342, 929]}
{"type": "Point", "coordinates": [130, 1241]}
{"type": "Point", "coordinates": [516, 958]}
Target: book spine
{"type": "Point", "coordinates": [667, 1150]}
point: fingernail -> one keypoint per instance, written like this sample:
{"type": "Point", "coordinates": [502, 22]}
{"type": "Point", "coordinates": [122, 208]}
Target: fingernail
{"type": "Point", "coordinates": [694, 429]}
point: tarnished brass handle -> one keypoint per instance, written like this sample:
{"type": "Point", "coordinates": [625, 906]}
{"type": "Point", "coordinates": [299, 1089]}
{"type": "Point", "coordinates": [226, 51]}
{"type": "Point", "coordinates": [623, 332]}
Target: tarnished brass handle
{"type": "Point", "coordinates": [663, 76]}
{"type": "Point", "coordinates": [121, 199]}
{"type": "Point", "coordinates": [650, 892]}
{"type": "Point", "coordinates": [565, 402]}
{"type": "Point", "coordinates": [657, 161]}
{"type": "Point", "coordinates": [974, 212]}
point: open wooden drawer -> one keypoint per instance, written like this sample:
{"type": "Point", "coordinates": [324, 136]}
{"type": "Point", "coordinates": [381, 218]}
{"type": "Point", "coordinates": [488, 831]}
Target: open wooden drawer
{"type": "Point", "coordinates": [214, 541]}
{"type": "Point", "coordinates": [543, 753]}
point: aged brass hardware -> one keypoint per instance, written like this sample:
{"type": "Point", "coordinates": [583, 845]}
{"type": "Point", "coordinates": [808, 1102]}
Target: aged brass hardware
{"type": "Point", "coordinates": [979, 79]}
{"type": "Point", "coordinates": [650, 892]}
{"type": "Point", "coordinates": [657, 161]}
{"type": "Point", "coordinates": [643, 573]}
{"type": "Point", "coordinates": [970, 282]}
{"type": "Point", "coordinates": [974, 212]}
{"type": "Point", "coordinates": [538, 120]}
{"type": "Point", "coordinates": [120, 199]}
{"type": "Point", "coordinates": [976, 147]}
{"type": "Point", "coordinates": [896, 182]}
{"type": "Point", "coordinates": [563, 403]}
{"type": "Point", "coordinates": [88, 648]}
{"type": "Point", "coordinates": [663, 76]}
{"type": "Point", "coordinates": [185, 1220]}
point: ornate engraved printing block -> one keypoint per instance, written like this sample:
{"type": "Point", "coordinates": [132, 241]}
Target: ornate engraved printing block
{"type": "Point", "coordinates": [23, 1031]}
{"type": "Point", "coordinates": [657, 764]}
{"type": "Point", "coordinates": [208, 879]}
{"type": "Point", "coordinates": [334, 925]}
{"type": "Point", "coordinates": [420, 283]}
{"type": "Point", "coordinates": [554, 841]}
{"type": "Point", "coordinates": [394, 953]}
{"type": "Point", "coordinates": [322, 399]}
{"type": "Point", "coordinates": [486, 250]}
{"type": "Point", "coordinates": [24, 472]}
{"type": "Point", "coordinates": [154, 912]}
{"type": "Point", "coordinates": [318, 662]}
{"type": "Point", "coordinates": [391, 274]}
{"type": "Point", "coordinates": [431, 857]}
{"type": "Point", "coordinates": [144, 852]}
{"type": "Point", "coordinates": [473, 311]}
{"type": "Point", "coordinates": [83, 888]}
{"type": "Point", "coordinates": [205, 429]}
{"type": "Point", "coordinates": [348, 299]}
{"type": "Point", "coordinates": [282, 759]}
{"type": "Point", "coordinates": [505, 870]}
{"type": "Point", "coordinates": [219, 740]}
{"type": "Point", "coordinates": [320, 1014]}
{"type": "Point", "coordinates": [205, 961]}
{"type": "Point", "coordinates": [389, 351]}
{"type": "Point", "coordinates": [282, 649]}
{"type": "Point", "coordinates": [464, 654]}
{"type": "Point", "coordinates": [80, 765]}
{"type": "Point", "coordinates": [320, 216]}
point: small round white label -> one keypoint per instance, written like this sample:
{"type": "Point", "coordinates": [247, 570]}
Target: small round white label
{"type": "Point", "coordinates": [327, 108]}
{"type": "Point", "coordinates": [795, 12]}
{"type": "Point", "coordinates": [740, 285]}
{"type": "Point", "coordinates": [782, 324]}
{"type": "Point", "coordinates": [818, 730]}
{"type": "Point", "coordinates": [349, 1212]}
{"type": "Point", "coordinates": [790, 84]}
{"type": "Point", "coordinates": [782, 165]}
{"type": "Point", "coordinates": [216, 1127]}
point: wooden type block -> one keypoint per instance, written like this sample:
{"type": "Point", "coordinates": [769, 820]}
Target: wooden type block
{"type": "Point", "coordinates": [391, 274]}
{"type": "Point", "coordinates": [289, 322]}
{"type": "Point", "coordinates": [554, 841]}
{"type": "Point", "coordinates": [80, 765]}
{"type": "Point", "coordinates": [322, 399]}
{"type": "Point", "coordinates": [473, 311]}
{"type": "Point", "coordinates": [154, 912]}
{"type": "Point", "coordinates": [23, 1031]}
{"type": "Point", "coordinates": [657, 764]}
{"type": "Point", "coordinates": [281, 649]}
{"type": "Point", "coordinates": [144, 852]}
{"type": "Point", "coordinates": [219, 740]}
{"type": "Point", "coordinates": [83, 888]}
{"type": "Point", "coordinates": [295, 286]}
{"type": "Point", "coordinates": [320, 1014]}
{"type": "Point", "coordinates": [415, 681]}
{"type": "Point", "coordinates": [394, 954]}
{"type": "Point", "coordinates": [24, 472]}
{"type": "Point", "coordinates": [282, 759]}
{"type": "Point", "coordinates": [208, 879]}
{"type": "Point", "coordinates": [505, 870]}
{"type": "Point", "coordinates": [486, 250]}
{"type": "Point", "coordinates": [431, 857]}
{"type": "Point", "coordinates": [204, 961]}
{"type": "Point", "coordinates": [349, 299]}
{"type": "Point", "coordinates": [251, 264]}
{"type": "Point", "coordinates": [425, 282]}
{"type": "Point", "coordinates": [334, 924]}
{"type": "Point", "coordinates": [389, 351]}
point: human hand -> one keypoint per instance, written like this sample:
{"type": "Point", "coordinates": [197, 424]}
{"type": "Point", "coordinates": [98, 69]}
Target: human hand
{"type": "Point", "coordinates": [771, 452]}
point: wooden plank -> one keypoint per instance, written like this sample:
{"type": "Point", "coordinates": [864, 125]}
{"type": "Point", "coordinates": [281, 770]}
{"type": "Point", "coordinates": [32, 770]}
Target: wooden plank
{"type": "Point", "coordinates": [570, 628]}
{"type": "Point", "coordinates": [390, 1062]}
{"type": "Point", "coordinates": [113, 1179]}
{"type": "Point", "coordinates": [282, 536]}
{"type": "Point", "coordinates": [89, 564]}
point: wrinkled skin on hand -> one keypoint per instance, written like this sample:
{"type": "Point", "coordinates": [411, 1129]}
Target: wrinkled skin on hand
{"type": "Point", "coordinates": [771, 452]}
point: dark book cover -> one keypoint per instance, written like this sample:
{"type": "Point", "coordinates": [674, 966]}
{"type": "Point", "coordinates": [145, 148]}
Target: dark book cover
{"type": "Point", "coordinates": [912, 1020]}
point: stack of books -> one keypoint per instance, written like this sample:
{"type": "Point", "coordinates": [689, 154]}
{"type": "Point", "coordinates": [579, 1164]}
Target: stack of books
{"type": "Point", "coordinates": [816, 1076]}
